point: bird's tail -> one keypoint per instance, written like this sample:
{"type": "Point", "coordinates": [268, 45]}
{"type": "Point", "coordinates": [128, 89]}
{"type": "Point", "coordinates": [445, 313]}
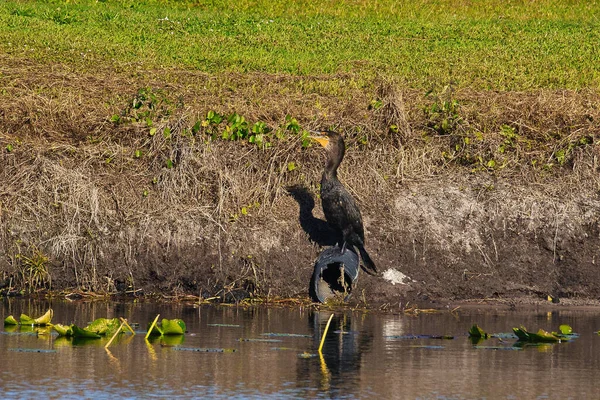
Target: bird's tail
{"type": "Point", "coordinates": [368, 264]}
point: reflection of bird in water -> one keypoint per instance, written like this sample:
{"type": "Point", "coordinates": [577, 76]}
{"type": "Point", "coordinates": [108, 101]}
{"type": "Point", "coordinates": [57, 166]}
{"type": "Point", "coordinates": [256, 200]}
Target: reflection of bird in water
{"type": "Point", "coordinates": [339, 207]}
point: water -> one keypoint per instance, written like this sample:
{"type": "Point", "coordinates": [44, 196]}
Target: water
{"type": "Point", "coordinates": [365, 355]}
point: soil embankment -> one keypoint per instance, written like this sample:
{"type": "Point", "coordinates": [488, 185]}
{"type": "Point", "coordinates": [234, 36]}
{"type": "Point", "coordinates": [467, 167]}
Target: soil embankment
{"type": "Point", "coordinates": [118, 181]}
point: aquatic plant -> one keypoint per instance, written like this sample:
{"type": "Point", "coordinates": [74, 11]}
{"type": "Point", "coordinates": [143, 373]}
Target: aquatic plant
{"type": "Point", "coordinates": [542, 336]}
{"type": "Point", "coordinates": [167, 327]}
{"type": "Point", "coordinates": [27, 320]}
{"type": "Point", "coordinates": [477, 332]}
{"type": "Point", "coordinates": [522, 334]}
{"type": "Point", "coordinates": [96, 329]}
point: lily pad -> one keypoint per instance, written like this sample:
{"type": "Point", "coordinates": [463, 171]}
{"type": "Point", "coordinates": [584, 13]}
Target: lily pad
{"type": "Point", "coordinates": [521, 333]}
{"type": "Point", "coordinates": [104, 326]}
{"type": "Point", "coordinates": [167, 327]}
{"type": "Point", "coordinates": [84, 333]}
{"type": "Point", "coordinates": [541, 336]}
{"type": "Point", "coordinates": [565, 329]}
{"type": "Point", "coordinates": [477, 332]}
{"type": "Point", "coordinates": [63, 330]}
{"type": "Point", "coordinates": [10, 320]}
{"type": "Point", "coordinates": [43, 320]}
{"type": "Point", "coordinates": [172, 326]}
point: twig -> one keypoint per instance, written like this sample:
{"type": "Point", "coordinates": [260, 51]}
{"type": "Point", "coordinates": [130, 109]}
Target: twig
{"type": "Point", "coordinates": [152, 326]}
{"type": "Point", "coordinates": [116, 333]}
{"type": "Point", "coordinates": [325, 333]}
{"type": "Point", "coordinates": [127, 325]}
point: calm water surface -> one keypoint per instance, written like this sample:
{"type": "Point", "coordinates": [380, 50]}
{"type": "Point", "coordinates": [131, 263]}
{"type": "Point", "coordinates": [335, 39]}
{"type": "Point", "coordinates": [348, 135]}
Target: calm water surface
{"type": "Point", "coordinates": [365, 355]}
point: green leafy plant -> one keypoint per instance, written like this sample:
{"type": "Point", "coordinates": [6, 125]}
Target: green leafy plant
{"type": "Point", "coordinates": [510, 138]}
{"type": "Point", "coordinates": [291, 124]}
{"type": "Point", "coordinates": [236, 129]}
{"type": "Point", "coordinates": [33, 270]}
{"type": "Point", "coordinates": [542, 336]}
{"type": "Point", "coordinates": [167, 327]}
{"type": "Point", "coordinates": [259, 136]}
{"type": "Point", "coordinates": [146, 106]}
{"type": "Point", "coordinates": [375, 104]}
{"type": "Point", "coordinates": [443, 114]}
{"type": "Point", "coordinates": [563, 155]}
{"type": "Point", "coordinates": [477, 332]}
{"type": "Point", "coordinates": [44, 320]}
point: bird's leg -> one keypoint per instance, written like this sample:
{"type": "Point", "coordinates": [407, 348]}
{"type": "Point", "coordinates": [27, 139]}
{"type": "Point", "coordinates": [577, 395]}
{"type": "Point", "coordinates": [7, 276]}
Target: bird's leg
{"type": "Point", "coordinates": [344, 247]}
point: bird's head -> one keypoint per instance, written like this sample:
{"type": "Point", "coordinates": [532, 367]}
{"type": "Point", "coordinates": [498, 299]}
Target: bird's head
{"type": "Point", "coordinates": [324, 138]}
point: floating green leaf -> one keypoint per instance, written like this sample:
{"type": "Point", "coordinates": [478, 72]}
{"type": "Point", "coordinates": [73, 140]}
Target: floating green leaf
{"type": "Point", "coordinates": [41, 321]}
{"type": "Point", "coordinates": [477, 332]}
{"type": "Point", "coordinates": [103, 326]}
{"type": "Point", "coordinates": [10, 320]}
{"type": "Point", "coordinates": [63, 330]}
{"type": "Point", "coordinates": [565, 329]}
{"type": "Point", "coordinates": [541, 336]}
{"type": "Point", "coordinates": [521, 333]}
{"type": "Point", "coordinates": [172, 327]}
{"type": "Point", "coordinates": [83, 333]}
{"type": "Point", "coordinates": [167, 327]}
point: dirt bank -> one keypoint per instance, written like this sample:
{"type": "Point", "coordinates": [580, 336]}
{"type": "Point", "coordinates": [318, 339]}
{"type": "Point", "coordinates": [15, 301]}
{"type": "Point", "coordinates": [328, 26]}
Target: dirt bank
{"type": "Point", "coordinates": [117, 181]}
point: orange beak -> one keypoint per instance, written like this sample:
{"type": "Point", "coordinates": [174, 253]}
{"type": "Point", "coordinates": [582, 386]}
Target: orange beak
{"type": "Point", "coordinates": [320, 138]}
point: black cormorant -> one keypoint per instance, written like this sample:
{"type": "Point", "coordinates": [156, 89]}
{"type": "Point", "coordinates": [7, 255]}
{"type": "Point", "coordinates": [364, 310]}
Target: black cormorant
{"type": "Point", "coordinates": [339, 207]}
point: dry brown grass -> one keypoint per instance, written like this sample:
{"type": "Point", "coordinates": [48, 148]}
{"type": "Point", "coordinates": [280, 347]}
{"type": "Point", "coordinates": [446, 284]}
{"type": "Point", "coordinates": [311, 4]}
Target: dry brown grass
{"type": "Point", "coordinates": [73, 187]}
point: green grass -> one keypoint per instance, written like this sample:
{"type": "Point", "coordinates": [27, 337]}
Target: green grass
{"type": "Point", "coordinates": [500, 45]}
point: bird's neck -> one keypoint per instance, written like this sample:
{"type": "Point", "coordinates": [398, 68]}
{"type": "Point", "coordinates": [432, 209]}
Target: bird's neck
{"type": "Point", "coordinates": [333, 162]}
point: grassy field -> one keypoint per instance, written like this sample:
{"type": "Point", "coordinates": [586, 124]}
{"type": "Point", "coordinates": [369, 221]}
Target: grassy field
{"type": "Point", "coordinates": [497, 45]}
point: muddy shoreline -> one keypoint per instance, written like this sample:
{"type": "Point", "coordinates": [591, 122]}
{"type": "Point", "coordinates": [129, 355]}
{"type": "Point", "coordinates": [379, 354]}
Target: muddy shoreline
{"type": "Point", "coordinates": [501, 204]}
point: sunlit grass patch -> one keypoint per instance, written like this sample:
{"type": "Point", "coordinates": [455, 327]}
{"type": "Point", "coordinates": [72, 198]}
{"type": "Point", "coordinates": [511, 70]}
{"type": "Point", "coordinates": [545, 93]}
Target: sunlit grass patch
{"type": "Point", "coordinates": [496, 45]}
